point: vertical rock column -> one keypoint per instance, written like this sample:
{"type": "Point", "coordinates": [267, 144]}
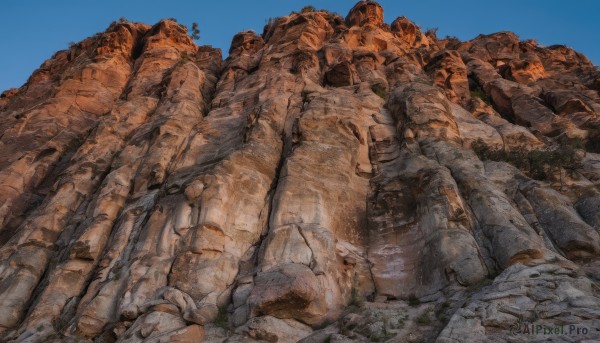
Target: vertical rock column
{"type": "Point", "coordinates": [87, 170]}
{"type": "Point", "coordinates": [27, 253]}
{"type": "Point", "coordinates": [313, 256]}
{"type": "Point", "coordinates": [53, 129]}
{"type": "Point", "coordinates": [182, 82]}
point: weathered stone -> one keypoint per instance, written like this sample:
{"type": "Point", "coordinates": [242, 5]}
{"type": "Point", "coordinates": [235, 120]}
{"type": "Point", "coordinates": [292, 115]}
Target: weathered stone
{"type": "Point", "coordinates": [343, 74]}
{"type": "Point", "coordinates": [323, 175]}
{"type": "Point", "coordinates": [365, 12]}
{"type": "Point", "coordinates": [450, 73]}
{"type": "Point", "coordinates": [271, 329]}
{"type": "Point", "coordinates": [525, 70]}
{"type": "Point", "coordinates": [289, 291]}
{"type": "Point", "coordinates": [409, 32]}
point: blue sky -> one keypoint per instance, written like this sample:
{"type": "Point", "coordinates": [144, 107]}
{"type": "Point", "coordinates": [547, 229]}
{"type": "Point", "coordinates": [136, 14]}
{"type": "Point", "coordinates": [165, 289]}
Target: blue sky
{"type": "Point", "coordinates": [33, 30]}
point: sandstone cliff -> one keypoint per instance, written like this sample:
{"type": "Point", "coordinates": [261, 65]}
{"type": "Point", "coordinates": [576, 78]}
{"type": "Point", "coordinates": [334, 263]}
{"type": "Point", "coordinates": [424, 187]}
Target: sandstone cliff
{"type": "Point", "coordinates": [333, 180]}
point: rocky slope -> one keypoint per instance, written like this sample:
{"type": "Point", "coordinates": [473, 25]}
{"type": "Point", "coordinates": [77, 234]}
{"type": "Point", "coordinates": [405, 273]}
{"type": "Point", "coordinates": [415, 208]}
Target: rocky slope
{"type": "Point", "coordinates": [333, 180]}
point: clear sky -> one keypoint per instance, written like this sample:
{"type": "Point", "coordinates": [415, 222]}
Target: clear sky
{"type": "Point", "coordinates": [32, 30]}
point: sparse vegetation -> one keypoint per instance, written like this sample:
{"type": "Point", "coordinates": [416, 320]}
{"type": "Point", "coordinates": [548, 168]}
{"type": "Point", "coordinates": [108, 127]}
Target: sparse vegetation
{"type": "Point", "coordinates": [73, 145]}
{"type": "Point", "coordinates": [479, 93]}
{"type": "Point", "coordinates": [423, 319]}
{"type": "Point", "coordinates": [380, 90]}
{"type": "Point", "coordinates": [222, 319]}
{"type": "Point", "coordinates": [538, 164]}
{"type": "Point", "coordinates": [386, 322]}
{"type": "Point", "coordinates": [431, 32]}
{"type": "Point", "coordinates": [387, 334]}
{"type": "Point", "coordinates": [401, 323]}
{"type": "Point", "coordinates": [184, 57]}
{"type": "Point", "coordinates": [575, 143]}
{"type": "Point", "coordinates": [355, 299]}
{"type": "Point", "coordinates": [307, 9]}
{"type": "Point", "coordinates": [195, 32]}
{"type": "Point", "coordinates": [271, 21]}
{"type": "Point", "coordinates": [413, 301]}
{"type": "Point", "coordinates": [440, 313]}
{"type": "Point", "coordinates": [384, 335]}
{"type": "Point", "coordinates": [452, 42]}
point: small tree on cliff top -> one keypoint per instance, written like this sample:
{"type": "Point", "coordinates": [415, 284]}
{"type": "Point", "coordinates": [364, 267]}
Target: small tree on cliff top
{"type": "Point", "coordinates": [195, 31]}
{"type": "Point", "coordinates": [307, 9]}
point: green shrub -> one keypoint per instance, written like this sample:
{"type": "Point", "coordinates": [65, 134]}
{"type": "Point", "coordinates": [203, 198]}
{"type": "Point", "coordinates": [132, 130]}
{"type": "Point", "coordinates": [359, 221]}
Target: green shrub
{"type": "Point", "coordinates": [591, 144]}
{"type": "Point", "coordinates": [440, 313]}
{"type": "Point", "coordinates": [431, 32]}
{"type": "Point", "coordinates": [423, 319]}
{"type": "Point", "coordinates": [380, 90]}
{"type": "Point", "coordinates": [575, 143]}
{"type": "Point", "coordinates": [479, 93]}
{"type": "Point", "coordinates": [184, 57]}
{"type": "Point", "coordinates": [195, 32]}
{"type": "Point", "coordinates": [385, 334]}
{"type": "Point", "coordinates": [452, 42]}
{"type": "Point", "coordinates": [222, 319]}
{"type": "Point", "coordinates": [535, 163]}
{"type": "Point", "coordinates": [355, 299]}
{"type": "Point", "coordinates": [414, 301]}
{"type": "Point", "coordinates": [307, 9]}
{"type": "Point", "coordinates": [401, 324]}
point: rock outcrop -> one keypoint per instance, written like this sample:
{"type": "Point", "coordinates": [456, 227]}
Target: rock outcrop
{"type": "Point", "coordinates": [330, 180]}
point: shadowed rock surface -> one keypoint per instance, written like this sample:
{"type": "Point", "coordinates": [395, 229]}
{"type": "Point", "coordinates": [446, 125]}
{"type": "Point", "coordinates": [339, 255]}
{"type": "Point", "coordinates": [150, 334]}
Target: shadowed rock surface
{"type": "Point", "coordinates": [333, 180]}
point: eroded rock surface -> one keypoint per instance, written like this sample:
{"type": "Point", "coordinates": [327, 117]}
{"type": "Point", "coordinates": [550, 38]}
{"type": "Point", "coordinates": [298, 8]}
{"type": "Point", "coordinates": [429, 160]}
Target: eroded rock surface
{"type": "Point", "coordinates": [325, 182]}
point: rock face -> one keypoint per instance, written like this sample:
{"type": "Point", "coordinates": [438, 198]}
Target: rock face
{"type": "Point", "coordinates": [331, 180]}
